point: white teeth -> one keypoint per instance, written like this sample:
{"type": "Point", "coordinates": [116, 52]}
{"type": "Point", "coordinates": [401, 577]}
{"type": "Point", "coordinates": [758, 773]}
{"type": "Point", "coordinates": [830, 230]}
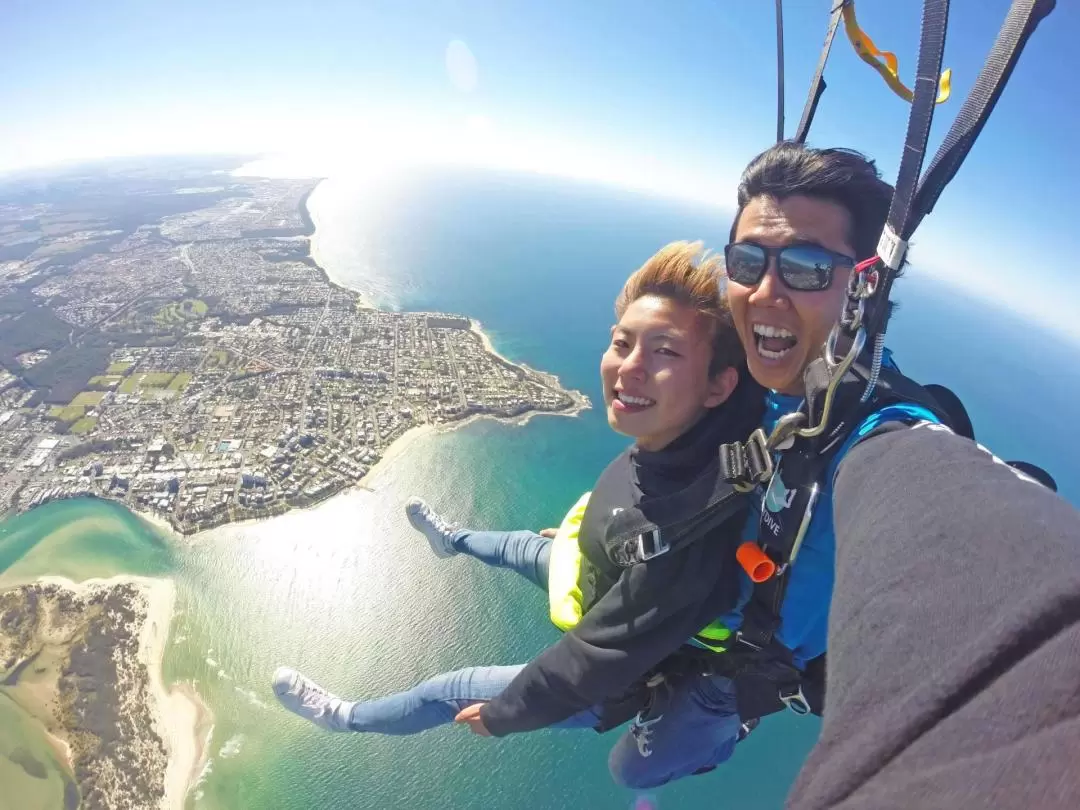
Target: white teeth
{"type": "Point", "coordinates": [629, 400]}
{"type": "Point", "coordinates": [762, 330]}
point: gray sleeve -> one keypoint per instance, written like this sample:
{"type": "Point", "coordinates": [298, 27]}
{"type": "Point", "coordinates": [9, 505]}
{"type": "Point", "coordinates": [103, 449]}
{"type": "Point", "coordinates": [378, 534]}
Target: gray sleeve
{"type": "Point", "coordinates": [954, 635]}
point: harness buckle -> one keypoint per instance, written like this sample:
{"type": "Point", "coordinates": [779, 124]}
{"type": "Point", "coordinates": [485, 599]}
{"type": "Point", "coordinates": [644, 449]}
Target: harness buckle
{"type": "Point", "coordinates": [756, 462]}
{"type": "Point", "coordinates": [794, 699]}
{"type": "Point", "coordinates": [651, 544]}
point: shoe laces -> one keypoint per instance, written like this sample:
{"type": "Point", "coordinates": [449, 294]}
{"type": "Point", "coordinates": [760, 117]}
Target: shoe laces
{"type": "Point", "coordinates": [642, 731]}
{"type": "Point", "coordinates": [437, 522]}
{"type": "Point", "coordinates": [315, 697]}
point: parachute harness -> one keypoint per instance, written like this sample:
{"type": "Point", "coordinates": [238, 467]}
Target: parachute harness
{"type": "Point", "coordinates": [866, 308]}
{"type": "Point", "coordinates": [841, 388]}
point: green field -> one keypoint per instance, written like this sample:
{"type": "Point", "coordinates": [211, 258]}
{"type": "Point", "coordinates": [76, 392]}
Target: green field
{"type": "Point", "coordinates": [118, 368]}
{"type": "Point", "coordinates": [84, 425]}
{"type": "Point", "coordinates": [176, 312]}
{"type": "Point", "coordinates": [156, 379]}
{"type": "Point", "coordinates": [67, 413]}
{"type": "Point", "coordinates": [148, 379]}
{"type": "Point", "coordinates": [87, 398]}
{"type": "Point", "coordinates": [75, 411]}
{"type": "Point", "coordinates": [106, 380]}
{"type": "Point", "coordinates": [180, 381]}
{"type": "Point", "coordinates": [219, 358]}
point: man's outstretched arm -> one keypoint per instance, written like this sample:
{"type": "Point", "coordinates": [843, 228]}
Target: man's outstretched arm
{"type": "Point", "coordinates": [954, 635]}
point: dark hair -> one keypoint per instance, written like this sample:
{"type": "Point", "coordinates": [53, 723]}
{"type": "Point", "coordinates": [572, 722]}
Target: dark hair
{"type": "Point", "coordinates": [844, 176]}
{"type": "Point", "coordinates": [688, 274]}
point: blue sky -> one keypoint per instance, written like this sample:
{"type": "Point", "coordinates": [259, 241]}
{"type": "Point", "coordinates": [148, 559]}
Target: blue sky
{"type": "Point", "coordinates": [671, 97]}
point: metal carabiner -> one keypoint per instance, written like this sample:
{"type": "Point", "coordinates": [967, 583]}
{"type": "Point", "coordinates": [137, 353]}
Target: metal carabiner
{"type": "Point", "coordinates": [796, 701]}
{"type": "Point", "coordinates": [837, 370]}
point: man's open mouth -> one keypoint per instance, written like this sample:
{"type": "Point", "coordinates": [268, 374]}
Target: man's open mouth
{"type": "Point", "coordinates": [773, 342]}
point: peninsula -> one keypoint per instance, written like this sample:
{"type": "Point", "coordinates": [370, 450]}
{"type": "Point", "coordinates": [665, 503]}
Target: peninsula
{"type": "Point", "coordinates": [167, 341]}
{"type": "Point", "coordinates": [85, 661]}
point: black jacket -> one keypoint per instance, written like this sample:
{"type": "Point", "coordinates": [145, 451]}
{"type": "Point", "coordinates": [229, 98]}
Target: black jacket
{"type": "Point", "coordinates": [648, 611]}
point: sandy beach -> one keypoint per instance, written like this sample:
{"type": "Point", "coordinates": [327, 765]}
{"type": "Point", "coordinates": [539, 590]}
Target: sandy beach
{"type": "Point", "coordinates": [180, 715]}
{"type": "Point", "coordinates": [154, 519]}
{"type": "Point", "coordinates": [396, 448]}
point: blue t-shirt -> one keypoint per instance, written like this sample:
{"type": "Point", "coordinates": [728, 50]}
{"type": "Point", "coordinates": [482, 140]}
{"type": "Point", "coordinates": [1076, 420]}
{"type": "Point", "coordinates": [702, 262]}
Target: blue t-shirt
{"type": "Point", "coordinates": [804, 615]}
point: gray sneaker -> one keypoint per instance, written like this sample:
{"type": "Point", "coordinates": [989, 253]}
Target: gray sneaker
{"type": "Point", "coordinates": [309, 700]}
{"type": "Point", "coordinates": [438, 532]}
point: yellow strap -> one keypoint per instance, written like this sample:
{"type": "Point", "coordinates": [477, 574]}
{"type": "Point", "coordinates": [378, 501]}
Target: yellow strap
{"type": "Point", "coordinates": [564, 591]}
{"type": "Point", "coordinates": [885, 62]}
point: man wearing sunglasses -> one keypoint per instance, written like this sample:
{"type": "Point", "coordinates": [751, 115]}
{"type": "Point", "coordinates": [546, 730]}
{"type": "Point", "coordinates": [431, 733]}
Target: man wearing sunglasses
{"type": "Point", "coordinates": [805, 218]}
{"type": "Point", "coordinates": [959, 686]}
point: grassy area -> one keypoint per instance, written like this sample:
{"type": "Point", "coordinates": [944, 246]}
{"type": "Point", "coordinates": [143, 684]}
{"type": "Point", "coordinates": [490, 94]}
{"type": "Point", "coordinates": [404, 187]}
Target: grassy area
{"type": "Point", "coordinates": [149, 379]}
{"type": "Point", "coordinates": [67, 413]}
{"type": "Point", "coordinates": [88, 399]}
{"type": "Point", "coordinates": [156, 379]}
{"type": "Point", "coordinates": [84, 425]}
{"type": "Point", "coordinates": [180, 381]}
{"type": "Point", "coordinates": [176, 312]}
{"type": "Point", "coordinates": [106, 380]}
{"type": "Point", "coordinates": [219, 358]}
{"type": "Point", "coordinates": [118, 368]}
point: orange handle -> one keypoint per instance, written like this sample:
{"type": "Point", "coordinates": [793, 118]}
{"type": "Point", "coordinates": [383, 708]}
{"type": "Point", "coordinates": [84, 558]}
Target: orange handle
{"type": "Point", "coordinates": [755, 562]}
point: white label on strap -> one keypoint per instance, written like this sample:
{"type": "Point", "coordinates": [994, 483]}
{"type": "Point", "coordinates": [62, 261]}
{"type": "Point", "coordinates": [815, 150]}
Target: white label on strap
{"type": "Point", "coordinates": [891, 248]}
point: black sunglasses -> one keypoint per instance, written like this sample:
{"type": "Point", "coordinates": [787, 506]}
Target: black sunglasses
{"type": "Point", "coordinates": [801, 267]}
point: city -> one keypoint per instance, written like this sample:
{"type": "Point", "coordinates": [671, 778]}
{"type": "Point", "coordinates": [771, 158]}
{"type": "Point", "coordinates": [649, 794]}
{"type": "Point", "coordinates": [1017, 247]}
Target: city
{"type": "Point", "coordinates": [171, 345]}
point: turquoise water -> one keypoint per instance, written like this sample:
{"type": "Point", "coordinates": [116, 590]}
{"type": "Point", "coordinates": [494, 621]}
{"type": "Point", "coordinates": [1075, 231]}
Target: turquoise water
{"type": "Point", "coordinates": [352, 596]}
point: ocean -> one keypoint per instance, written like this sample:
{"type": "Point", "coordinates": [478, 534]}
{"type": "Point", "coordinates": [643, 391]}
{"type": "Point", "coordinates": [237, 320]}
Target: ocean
{"type": "Point", "coordinates": [348, 593]}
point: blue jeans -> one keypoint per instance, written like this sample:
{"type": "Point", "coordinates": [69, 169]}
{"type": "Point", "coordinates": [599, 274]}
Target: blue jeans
{"type": "Point", "coordinates": [689, 728]}
{"type": "Point", "coordinates": [686, 729]}
{"type": "Point", "coordinates": [525, 552]}
{"type": "Point", "coordinates": [437, 701]}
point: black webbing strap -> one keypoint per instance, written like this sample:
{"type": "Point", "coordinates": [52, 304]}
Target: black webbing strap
{"type": "Point", "coordinates": [931, 50]}
{"type": "Point", "coordinates": [779, 70]}
{"type": "Point", "coordinates": [668, 523]}
{"type": "Point", "coordinates": [817, 84]}
{"type": "Point", "coordinates": [913, 199]}
{"type": "Point", "coordinates": [1023, 18]}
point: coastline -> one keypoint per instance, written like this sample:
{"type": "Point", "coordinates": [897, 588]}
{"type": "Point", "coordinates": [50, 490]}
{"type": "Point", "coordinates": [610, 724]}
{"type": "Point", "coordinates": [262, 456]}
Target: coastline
{"type": "Point", "coordinates": [581, 401]}
{"type": "Point", "coordinates": [180, 712]}
{"type": "Point", "coordinates": [179, 715]}
{"type": "Point", "coordinates": [306, 216]}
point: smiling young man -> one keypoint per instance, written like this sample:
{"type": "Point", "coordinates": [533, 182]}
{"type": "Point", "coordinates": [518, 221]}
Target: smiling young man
{"type": "Point", "coordinates": [943, 694]}
{"type": "Point", "coordinates": [805, 218]}
{"type": "Point", "coordinates": [673, 379]}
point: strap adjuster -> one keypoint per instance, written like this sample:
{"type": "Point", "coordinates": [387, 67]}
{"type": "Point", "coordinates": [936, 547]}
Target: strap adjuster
{"type": "Point", "coordinates": [794, 699]}
{"type": "Point", "coordinates": [747, 464]}
{"type": "Point", "coordinates": [651, 544]}
{"type": "Point", "coordinates": [891, 248]}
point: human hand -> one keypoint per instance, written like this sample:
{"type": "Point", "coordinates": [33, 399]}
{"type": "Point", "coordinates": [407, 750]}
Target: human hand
{"type": "Point", "coordinates": [470, 716]}
{"type": "Point", "coordinates": [549, 533]}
